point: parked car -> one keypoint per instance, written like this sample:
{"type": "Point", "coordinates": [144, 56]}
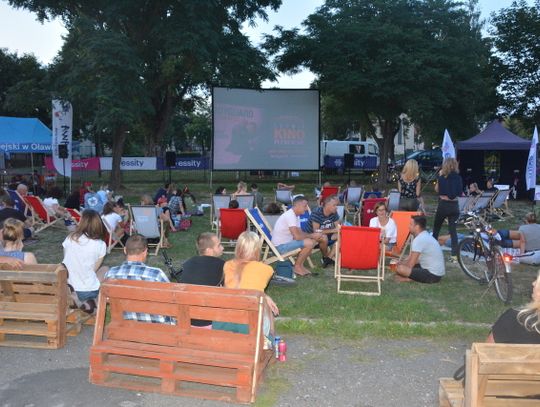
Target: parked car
{"type": "Point", "coordinates": [428, 160]}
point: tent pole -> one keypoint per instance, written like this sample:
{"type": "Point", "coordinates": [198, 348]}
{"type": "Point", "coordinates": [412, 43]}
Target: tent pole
{"type": "Point", "coordinates": [32, 173]}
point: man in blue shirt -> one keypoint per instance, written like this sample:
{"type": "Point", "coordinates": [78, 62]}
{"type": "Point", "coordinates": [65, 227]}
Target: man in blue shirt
{"type": "Point", "coordinates": [134, 268]}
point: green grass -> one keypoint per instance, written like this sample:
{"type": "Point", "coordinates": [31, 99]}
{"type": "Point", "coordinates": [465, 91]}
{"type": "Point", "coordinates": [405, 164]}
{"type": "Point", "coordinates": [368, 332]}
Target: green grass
{"type": "Point", "coordinates": [456, 308]}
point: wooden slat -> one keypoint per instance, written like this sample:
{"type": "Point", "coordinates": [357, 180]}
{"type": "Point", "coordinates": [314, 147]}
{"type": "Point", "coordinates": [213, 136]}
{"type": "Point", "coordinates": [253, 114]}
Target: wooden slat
{"type": "Point", "coordinates": [26, 328]}
{"type": "Point", "coordinates": [25, 276]}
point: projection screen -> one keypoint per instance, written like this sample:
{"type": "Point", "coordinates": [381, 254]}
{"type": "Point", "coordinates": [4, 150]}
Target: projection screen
{"type": "Point", "coordinates": [265, 129]}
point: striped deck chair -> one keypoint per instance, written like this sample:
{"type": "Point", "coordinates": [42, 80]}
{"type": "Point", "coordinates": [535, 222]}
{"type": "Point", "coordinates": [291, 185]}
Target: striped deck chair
{"type": "Point", "coordinates": [145, 220]}
{"type": "Point", "coordinates": [42, 218]}
{"type": "Point", "coordinates": [218, 202]}
{"type": "Point", "coordinates": [360, 250]}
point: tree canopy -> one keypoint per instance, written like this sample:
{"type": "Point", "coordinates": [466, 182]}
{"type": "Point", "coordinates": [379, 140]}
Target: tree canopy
{"type": "Point", "coordinates": [516, 35]}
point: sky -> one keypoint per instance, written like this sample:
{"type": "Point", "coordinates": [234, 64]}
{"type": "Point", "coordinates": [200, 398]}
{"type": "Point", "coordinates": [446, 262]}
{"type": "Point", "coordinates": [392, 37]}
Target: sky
{"type": "Point", "coordinates": [21, 32]}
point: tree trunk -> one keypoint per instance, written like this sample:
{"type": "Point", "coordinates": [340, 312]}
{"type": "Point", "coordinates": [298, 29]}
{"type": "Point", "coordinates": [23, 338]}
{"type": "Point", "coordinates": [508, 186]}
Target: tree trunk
{"type": "Point", "coordinates": [386, 145]}
{"type": "Point", "coordinates": [119, 140]}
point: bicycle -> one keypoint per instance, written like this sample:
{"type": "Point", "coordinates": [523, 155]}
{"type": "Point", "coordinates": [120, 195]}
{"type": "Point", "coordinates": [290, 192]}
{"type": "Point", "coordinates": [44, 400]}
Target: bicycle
{"type": "Point", "coordinates": [481, 259]}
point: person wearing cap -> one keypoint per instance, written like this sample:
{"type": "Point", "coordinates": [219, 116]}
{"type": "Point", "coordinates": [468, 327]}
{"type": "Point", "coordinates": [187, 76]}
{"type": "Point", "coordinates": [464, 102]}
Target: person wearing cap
{"type": "Point", "coordinates": [165, 216]}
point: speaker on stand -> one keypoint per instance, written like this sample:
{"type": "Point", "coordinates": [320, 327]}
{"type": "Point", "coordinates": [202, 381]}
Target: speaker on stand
{"type": "Point", "coordinates": [170, 161]}
{"type": "Point", "coordinates": [348, 163]}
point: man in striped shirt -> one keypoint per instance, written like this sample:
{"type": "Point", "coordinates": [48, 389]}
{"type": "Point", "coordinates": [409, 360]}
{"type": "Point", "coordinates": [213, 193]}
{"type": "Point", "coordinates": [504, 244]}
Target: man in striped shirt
{"type": "Point", "coordinates": [134, 268]}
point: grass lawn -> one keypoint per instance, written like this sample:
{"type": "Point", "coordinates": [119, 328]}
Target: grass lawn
{"type": "Point", "coordinates": [456, 308]}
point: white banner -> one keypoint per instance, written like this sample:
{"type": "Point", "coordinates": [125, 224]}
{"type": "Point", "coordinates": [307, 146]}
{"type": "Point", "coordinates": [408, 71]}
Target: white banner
{"type": "Point", "coordinates": [62, 127]}
{"type": "Point", "coordinates": [530, 171]}
{"type": "Point", "coordinates": [129, 163]}
{"type": "Point", "coordinates": [448, 150]}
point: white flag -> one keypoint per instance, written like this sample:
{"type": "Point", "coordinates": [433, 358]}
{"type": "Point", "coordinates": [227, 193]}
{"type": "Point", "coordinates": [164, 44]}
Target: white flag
{"type": "Point", "coordinates": [530, 171]}
{"type": "Point", "coordinates": [62, 125]}
{"type": "Point", "coordinates": [448, 150]}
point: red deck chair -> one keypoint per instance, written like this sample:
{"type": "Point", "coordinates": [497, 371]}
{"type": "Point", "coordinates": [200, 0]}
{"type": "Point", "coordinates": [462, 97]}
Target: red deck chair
{"type": "Point", "coordinates": [75, 215]}
{"type": "Point", "coordinates": [232, 223]}
{"type": "Point", "coordinates": [326, 192]}
{"type": "Point", "coordinates": [360, 250]}
{"type": "Point", "coordinates": [40, 215]}
{"type": "Point", "coordinates": [402, 219]}
{"type": "Point", "coordinates": [367, 211]}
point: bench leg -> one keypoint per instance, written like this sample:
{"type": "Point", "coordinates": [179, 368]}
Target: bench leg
{"type": "Point", "coordinates": [97, 375]}
{"type": "Point", "coordinates": [243, 389]}
{"type": "Point", "coordinates": [167, 383]}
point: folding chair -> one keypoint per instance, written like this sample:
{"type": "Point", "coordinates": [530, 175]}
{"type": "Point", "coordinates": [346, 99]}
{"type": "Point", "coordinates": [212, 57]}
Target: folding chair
{"type": "Point", "coordinates": [284, 196]}
{"type": "Point", "coordinates": [145, 220]}
{"type": "Point", "coordinates": [367, 212]}
{"type": "Point", "coordinates": [499, 206]}
{"type": "Point", "coordinates": [352, 200]}
{"type": "Point", "coordinates": [327, 191]}
{"type": "Point", "coordinates": [245, 201]}
{"type": "Point", "coordinates": [393, 200]}
{"type": "Point", "coordinates": [42, 218]}
{"type": "Point", "coordinates": [218, 202]}
{"type": "Point", "coordinates": [232, 223]}
{"type": "Point", "coordinates": [19, 202]}
{"type": "Point", "coordinates": [404, 237]}
{"type": "Point", "coordinates": [75, 215]}
{"type": "Point", "coordinates": [341, 213]}
{"type": "Point", "coordinates": [465, 204]}
{"type": "Point", "coordinates": [359, 249]}
{"type": "Point", "coordinates": [482, 203]}
{"type": "Point", "coordinates": [110, 238]}
{"type": "Point", "coordinates": [270, 252]}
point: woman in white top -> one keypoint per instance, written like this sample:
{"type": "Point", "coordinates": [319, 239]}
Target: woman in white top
{"type": "Point", "coordinates": [84, 251]}
{"type": "Point", "coordinates": [113, 216]}
{"type": "Point", "coordinates": [386, 224]}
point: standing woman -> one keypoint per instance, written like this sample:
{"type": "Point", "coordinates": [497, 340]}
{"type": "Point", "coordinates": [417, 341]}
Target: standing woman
{"type": "Point", "coordinates": [409, 186]}
{"type": "Point", "coordinates": [84, 251]}
{"type": "Point", "coordinates": [449, 186]}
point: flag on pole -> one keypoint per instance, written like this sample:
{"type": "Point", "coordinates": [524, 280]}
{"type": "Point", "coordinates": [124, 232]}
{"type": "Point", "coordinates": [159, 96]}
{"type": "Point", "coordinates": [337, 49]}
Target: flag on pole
{"type": "Point", "coordinates": [448, 150]}
{"type": "Point", "coordinates": [62, 126]}
{"type": "Point", "coordinates": [530, 171]}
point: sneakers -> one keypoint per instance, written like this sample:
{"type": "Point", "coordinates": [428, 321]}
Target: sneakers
{"type": "Point", "coordinates": [327, 261]}
{"type": "Point", "coordinates": [453, 259]}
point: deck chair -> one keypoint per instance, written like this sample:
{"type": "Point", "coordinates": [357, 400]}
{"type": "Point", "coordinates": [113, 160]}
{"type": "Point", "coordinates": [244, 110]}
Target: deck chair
{"type": "Point", "coordinates": [145, 220]}
{"type": "Point", "coordinates": [19, 202]}
{"type": "Point", "coordinates": [232, 223]}
{"type": "Point", "coordinates": [352, 200]}
{"type": "Point", "coordinates": [269, 253]}
{"type": "Point", "coordinates": [41, 217]}
{"type": "Point", "coordinates": [218, 202]}
{"type": "Point", "coordinates": [327, 191]}
{"type": "Point", "coordinates": [499, 206]}
{"type": "Point", "coordinates": [75, 215]}
{"type": "Point", "coordinates": [360, 250]}
{"type": "Point", "coordinates": [284, 196]}
{"type": "Point", "coordinates": [465, 204]}
{"type": "Point", "coordinates": [482, 204]}
{"type": "Point", "coordinates": [245, 201]}
{"type": "Point", "coordinates": [367, 212]}
{"type": "Point", "coordinates": [404, 238]}
{"type": "Point", "coordinates": [111, 239]}
{"type": "Point", "coordinates": [393, 200]}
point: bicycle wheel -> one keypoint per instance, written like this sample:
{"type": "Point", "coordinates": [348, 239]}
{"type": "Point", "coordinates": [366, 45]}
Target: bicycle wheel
{"type": "Point", "coordinates": [471, 258]}
{"type": "Point", "coordinates": [502, 276]}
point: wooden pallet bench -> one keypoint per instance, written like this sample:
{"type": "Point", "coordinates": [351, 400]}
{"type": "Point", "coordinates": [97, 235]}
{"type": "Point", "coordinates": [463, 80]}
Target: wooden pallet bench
{"type": "Point", "coordinates": [179, 359]}
{"type": "Point", "coordinates": [495, 375]}
{"type": "Point", "coordinates": [33, 307]}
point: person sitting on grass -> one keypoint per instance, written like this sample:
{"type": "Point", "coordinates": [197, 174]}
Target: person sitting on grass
{"type": "Point", "coordinates": [519, 325]}
{"type": "Point", "coordinates": [425, 263]}
{"type": "Point", "coordinates": [134, 268]}
{"type": "Point", "coordinates": [325, 219]}
{"type": "Point", "coordinates": [12, 240]}
{"type": "Point", "coordinates": [288, 235]}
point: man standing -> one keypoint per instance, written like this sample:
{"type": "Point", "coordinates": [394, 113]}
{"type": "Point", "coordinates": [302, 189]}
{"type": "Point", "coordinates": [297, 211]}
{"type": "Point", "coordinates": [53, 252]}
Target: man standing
{"type": "Point", "coordinates": [134, 268]}
{"type": "Point", "coordinates": [287, 235]}
{"type": "Point", "coordinates": [425, 264]}
{"type": "Point", "coordinates": [325, 219]}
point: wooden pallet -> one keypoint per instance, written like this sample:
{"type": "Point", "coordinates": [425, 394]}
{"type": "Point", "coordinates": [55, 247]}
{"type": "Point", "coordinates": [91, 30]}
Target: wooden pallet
{"type": "Point", "coordinates": [33, 307]}
{"type": "Point", "coordinates": [496, 375]}
{"type": "Point", "coordinates": [179, 359]}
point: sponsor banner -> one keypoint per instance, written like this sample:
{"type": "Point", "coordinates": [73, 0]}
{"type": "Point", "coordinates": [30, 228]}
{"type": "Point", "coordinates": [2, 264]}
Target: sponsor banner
{"type": "Point", "coordinates": [62, 124]}
{"type": "Point", "coordinates": [361, 163]}
{"type": "Point", "coordinates": [25, 147]}
{"type": "Point", "coordinates": [129, 163]}
{"type": "Point", "coordinates": [530, 170]}
{"type": "Point", "coordinates": [86, 164]}
{"type": "Point", "coordinates": [185, 163]}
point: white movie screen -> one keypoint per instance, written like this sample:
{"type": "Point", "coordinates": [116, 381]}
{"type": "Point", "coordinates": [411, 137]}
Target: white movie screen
{"type": "Point", "coordinates": [265, 129]}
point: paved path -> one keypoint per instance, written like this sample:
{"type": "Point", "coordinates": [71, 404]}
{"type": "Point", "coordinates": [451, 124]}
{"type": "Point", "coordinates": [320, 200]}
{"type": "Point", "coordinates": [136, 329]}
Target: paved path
{"type": "Point", "coordinates": [319, 372]}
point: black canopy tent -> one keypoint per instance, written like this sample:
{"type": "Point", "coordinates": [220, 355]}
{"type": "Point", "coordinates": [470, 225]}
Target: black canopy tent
{"type": "Point", "coordinates": [510, 150]}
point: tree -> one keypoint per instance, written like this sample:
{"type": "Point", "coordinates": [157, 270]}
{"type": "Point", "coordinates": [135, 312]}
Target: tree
{"type": "Point", "coordinates": [382, 58]}
{"type": "Point", "coordinates": [516, 35]}
{"type": "Point", "coordinates": [179, 49]}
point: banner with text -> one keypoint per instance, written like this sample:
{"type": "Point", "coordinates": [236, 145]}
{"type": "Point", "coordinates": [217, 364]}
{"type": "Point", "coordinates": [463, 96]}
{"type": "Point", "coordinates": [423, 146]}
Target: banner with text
{"type": "Point", "coordinates": [363, 163]}
{"type": "Point", "coordinates": [186, 163]}
{"type": "Point", "coordinates": [86, 164]}
{"type": "Point", "coordinates": [129, 163]}
{"type": "Point", "coordinates": [62, 126]}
